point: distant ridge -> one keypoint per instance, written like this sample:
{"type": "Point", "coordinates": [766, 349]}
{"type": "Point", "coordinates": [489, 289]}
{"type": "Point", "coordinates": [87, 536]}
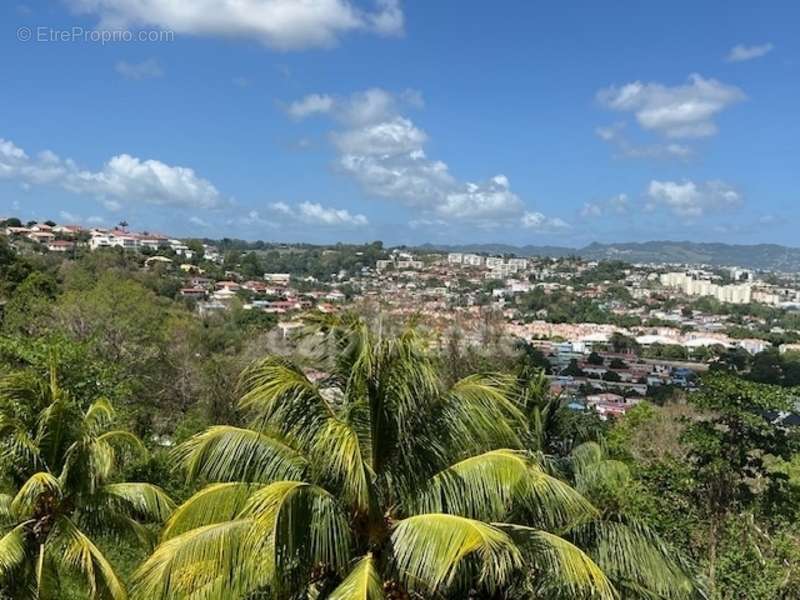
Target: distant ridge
{"type": "Point", "coordinates": [767, 257]}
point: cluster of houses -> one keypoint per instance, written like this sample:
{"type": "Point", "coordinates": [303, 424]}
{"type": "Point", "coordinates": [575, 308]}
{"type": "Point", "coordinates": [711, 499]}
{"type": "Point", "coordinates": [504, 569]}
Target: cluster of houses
{"type": "Point", "coordinates": [54, 237]}
{"type": "Point", "coordinates": [65, 238]}
{"type": "Point", "coordinates": [271, 294]}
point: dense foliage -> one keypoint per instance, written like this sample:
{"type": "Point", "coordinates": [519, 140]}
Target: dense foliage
{"type": "Point", "coordinates": [364, 462]}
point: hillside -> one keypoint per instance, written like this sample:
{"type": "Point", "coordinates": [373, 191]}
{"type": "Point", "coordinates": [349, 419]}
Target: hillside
{"type": "Point", "coordinates": [770, 257]}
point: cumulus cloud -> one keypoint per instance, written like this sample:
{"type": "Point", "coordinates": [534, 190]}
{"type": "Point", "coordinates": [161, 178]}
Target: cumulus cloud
{"type": "Point", "coordinates": [281, 24]}
{"type": "Point", "coordinates": [384, 151]}
{"type": "Point", "coordinates": [616, 205]}
{"type": "Point", "coordinates": [387, 138]}
{"type": "Point", "coordinates": [147, 69]}
{"type": "Point", "coordinates": [123, 179]}
{"type": "Point", "coordinates": [313, 213]}
{"type": "Point", "coordinates": [688, 199]}
{"type": "Point", "coordinates": [681, 111]}
{"type": "Point", "coordinates": [312, 104]}
{"type": "Point", "coordinates": [741, 53]}
{"type": "Point", "coordinates": [539, 222]}
{"type": "Point", "coordinates": [614, 134]}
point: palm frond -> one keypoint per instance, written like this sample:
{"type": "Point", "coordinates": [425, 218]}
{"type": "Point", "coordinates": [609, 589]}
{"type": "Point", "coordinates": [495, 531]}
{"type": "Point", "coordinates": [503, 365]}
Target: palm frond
{"type": "Point", "coordinates": [363, 583]}
{"type": "Point", "coordinates": [225, 453]}
{"type": "Point", "coordinates": [438, 551]}
{"type": "Point", "coordinates": [280, 397]}
{"type": "Point", "coordinates": [489, 486]}
{"type": "Point", "coordinates": [57, 427]}
{"type": "Point", "coordinates": [83, 556]}
{"type": "Point", "coordinates": [304, 523]}
{"type": "Point", "coordinates": [216, 562]}
{"type": "Point", "coordinates": [592, 469]}
{"type": "Point", "coordinates": [141, 499]}
{"type": "Point", "coordinates": [633, 555]}
{"type": "Point", "coordinates": [478, 414]}
{"type": "Point", "coordinates": [215, 503]}
{"type": "Point", "coordinates": [338, 450]}
{"type": "Point", "coordinates": [561, 568]}
{"type": "Point", "coordinates": [46, 575]}
{"type": "Point", "coordinates": [99, 416]}
{"type": "Point", "coordinates": [37, 486]}
{"type": "Point", "coordinates": [123, 440]}
{"type": "Point", "coordinates": [480, 487]}
{"type": "Point", "coordinates": [18, 445]}
{"type": "Point", "coordinates": [12, 549]}
{"type": "Point", "coordinates": [6, 514]}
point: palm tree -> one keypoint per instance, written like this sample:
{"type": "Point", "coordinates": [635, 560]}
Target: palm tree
{"type": "Point", "coordinates": [372, 482]}
{"type": "Point", "coordinates": [636, 560]}
{"type": "Point", "coordinates": [615, 534]}
{"type": "Point", "coordinates": [59, 460]}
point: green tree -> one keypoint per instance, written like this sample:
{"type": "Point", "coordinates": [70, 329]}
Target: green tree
{"type": "Point", "coordinates": [372, 483]}
{"type": "Point", "coordinates": [595, 359]}
{"type": "Point", "coordinates": [60, 461]}
{"type": "Point", "coordinates": [30, 304]}
{"type": "Point", "coordinates": [572, 369]}
{"type": "Point", "coordinates": [729, 450]}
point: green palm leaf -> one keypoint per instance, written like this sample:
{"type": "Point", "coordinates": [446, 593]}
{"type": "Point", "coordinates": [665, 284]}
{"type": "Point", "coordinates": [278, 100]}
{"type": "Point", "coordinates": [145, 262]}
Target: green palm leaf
{"type": "Point", "coordinates": [338, 449]}
{"type": "Point", "coordinates": [437, 551]}
{"type": "Point", "coordinates": [214, 562]}
{"type": "Point", "coordinates": [226, 453]}
{"type": "Point", "coordinates": [281, 397]}
{"type": "Point", "coordinates": [304, 523]}
{"type": "Point", "coordinates": [12, 549]}
{"type": "Point", "coordinates": [633, 555]}
{"type": "Point", "coordinates": [145, 499]}
{"type": "Point", "coordinates": [82, 555]}
{"type": "Point", "coordinates": [479, 415]}
{"type": "Point", "coordinates": [490, 485]}
{"type": "Point", "coordinates": [560, 567]}
{"type": "Point", "coordinates": [363, 583]}
{"type": "Point", "coordinates": [6, 515]}
{"type": "Point", "coordinates": [99, 416]}
{"type": "Point", "coordinates": [213, 504]}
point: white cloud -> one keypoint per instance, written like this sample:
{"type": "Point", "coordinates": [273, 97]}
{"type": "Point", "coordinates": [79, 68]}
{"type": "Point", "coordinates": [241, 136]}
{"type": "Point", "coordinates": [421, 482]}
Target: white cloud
{"type": "Point", "coordinates": [614, 134]}
{"type": "Point", "coordinates": [369, 106]}
{"type": "Point", "coordinates": [312, 104]}
{"type": "Point", "coordinates": [492, 200]}
{"type": "Point", "coordinates": [281, 24]}
{"type": "Point", "coordinates": [387, 138]}
{"type": "Point", "coordinates": [688, 199]}
{"type": "Point", "coordinates": [123, 179]}
{"type": "Point", "coordinates": [384, 151]}
{"type": "Point", "coordinates": [741, 53]}
{"type": "Point", "coordinates": [591, 209]}
{"type": "Point", "coordinates": [313, 213]}
{"type": "Point", "coordinates": [195, 220]}
{"type": "Point", "coordinates": [616, 205]}
{"type": "Point", "coordinates": [366, 107]}
{"type": "Point", "coordinates": [682, 111]}
{"type": "Point", "coordinates": [147, 69]}
{"type": "Point", "coordinates": [539, 222]}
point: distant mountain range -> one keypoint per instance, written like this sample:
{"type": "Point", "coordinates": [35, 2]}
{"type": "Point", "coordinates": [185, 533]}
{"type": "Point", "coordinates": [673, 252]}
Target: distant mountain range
{"type": "Point", "coordinates": [768, 257]}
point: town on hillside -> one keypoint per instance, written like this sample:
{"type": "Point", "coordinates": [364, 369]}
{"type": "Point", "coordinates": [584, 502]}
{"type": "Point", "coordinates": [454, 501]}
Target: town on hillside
{"type": "Point", "coordinates": [608, 334]}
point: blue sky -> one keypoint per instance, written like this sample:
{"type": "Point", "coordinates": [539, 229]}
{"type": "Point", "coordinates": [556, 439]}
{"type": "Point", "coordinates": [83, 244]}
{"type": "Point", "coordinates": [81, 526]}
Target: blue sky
{"type": "Point", "coordinates": [406, 121]}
